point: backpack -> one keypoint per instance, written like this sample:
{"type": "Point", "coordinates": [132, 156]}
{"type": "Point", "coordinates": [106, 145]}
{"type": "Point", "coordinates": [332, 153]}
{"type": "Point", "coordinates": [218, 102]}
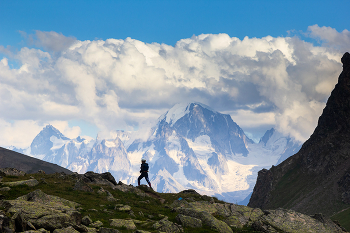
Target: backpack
{"type": "Point", "coordinates": [144, 167]}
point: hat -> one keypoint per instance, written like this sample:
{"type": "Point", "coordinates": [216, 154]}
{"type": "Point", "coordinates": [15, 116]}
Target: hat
{"type": "Point", "coordinates": [143, 160]}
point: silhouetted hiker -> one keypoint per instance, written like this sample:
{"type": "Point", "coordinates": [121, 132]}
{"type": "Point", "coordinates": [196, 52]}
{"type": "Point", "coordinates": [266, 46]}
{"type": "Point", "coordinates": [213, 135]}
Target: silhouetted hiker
{"type": "Point", "coordinates": [144, 172]}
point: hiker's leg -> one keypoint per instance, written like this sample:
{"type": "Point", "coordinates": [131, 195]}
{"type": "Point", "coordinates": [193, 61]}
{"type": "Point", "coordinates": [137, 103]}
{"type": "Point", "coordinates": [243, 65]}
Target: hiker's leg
{"type": "Point", "coordinates": [138, 179]}
{"type": "Point", "coordinates": [149, 183]}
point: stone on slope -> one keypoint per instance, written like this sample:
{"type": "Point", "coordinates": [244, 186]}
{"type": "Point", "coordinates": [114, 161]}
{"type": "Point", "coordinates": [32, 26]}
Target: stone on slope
{"type": "Point", "coordinates": [165, 225]}
{"type": "Point", "coordinates": [129, 224]}
{"type": "Point", "coordinates": [188, 221]}
{"type": "Point", "coordinates": [30, 182]}
{"type": "Point", "coordinates": [66, 230]}
{"type": "Point", "coordinates": [42, 211]}
{"type": "Point", "coordinates": [86, 220]}
{"type": "Point", "coordinates": [9, 171]}
{"type": "Point", "coordinates": [80, 185]}
{"type": "Point", "coordinates": [282, 220]}
{"type": "Point", "coordinates": [108, 230]}
{"type": "Point", "coordinates": [102, 179]}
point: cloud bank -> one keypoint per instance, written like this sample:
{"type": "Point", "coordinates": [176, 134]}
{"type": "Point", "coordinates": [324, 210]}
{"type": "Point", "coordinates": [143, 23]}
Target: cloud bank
{"type": "Point", "coordinates": [118, 84]}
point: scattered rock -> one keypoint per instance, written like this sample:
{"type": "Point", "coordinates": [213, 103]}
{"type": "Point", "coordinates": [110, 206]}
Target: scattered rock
{"type": "Point", "coordinates": [108, 230]}
{"type": "Point", "coordinates": [110, 197]}
{"type": "Point", "coordinates": [190, 191]}
{"type": "Point", "coordinates": [207, 219]}
{"type": "Point", "coordinates": [9, 171]}
{"type": "Point", "coordinates": [86, 220]}
{"type": "Point", "coordinates": [282, 220]}
{"type": "Point", "coordinates": [31, 183]}
{"type": "Point", "coordinates": [121, 207]}
{"type": "Point", "coordinates": [96, 224]}
{"type": "Point", "coordinates": [42, 211]}
{"type": "Point", "coordinates": [66, 230]}
{"type": "Point", "coordinates": [129, 224]}
{"type": "Point", "coordinates": [188, 221]}
{"type": "Point", "coordinates": [82, 186]}
{"type": "Point", "coordinates": [141, 231]}
{"type": "Point", "coordinates": [102, 179]}
{"type": "Point", "coordinates": [167, 226]}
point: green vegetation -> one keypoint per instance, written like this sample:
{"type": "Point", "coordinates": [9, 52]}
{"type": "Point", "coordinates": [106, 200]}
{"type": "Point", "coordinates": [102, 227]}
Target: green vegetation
{"type": "Point", "coordinates": [343, 218]}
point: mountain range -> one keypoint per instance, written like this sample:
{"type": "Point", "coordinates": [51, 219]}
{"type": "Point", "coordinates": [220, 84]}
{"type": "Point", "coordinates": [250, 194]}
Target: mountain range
{"type": "Point", "coordinates": [190, 147]}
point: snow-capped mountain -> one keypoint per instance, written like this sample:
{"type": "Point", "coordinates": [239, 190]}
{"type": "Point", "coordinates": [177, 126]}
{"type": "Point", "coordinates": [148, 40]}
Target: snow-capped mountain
{"type": "Point", "coordinates": [191, 146]}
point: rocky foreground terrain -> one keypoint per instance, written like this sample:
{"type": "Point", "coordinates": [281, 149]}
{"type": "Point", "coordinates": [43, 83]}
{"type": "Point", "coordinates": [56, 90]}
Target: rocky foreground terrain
{"type": "Point", "coordinates": [94, 202]}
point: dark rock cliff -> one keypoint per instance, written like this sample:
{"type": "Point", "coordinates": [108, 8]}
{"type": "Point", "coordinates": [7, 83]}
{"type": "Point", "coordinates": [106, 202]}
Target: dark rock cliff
{"type": "Point", "coordinates": [317, 178]}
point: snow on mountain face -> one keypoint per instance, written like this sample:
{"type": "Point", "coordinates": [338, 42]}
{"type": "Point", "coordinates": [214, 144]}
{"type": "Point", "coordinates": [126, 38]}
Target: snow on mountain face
{"type": "Point", "coordinates": [192, 146]}
{"type": "Point", "coordinates": [42, 144]}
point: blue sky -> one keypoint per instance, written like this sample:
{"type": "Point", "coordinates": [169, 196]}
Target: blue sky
{"type": "Point", "coordinates": [58, 66]}
{"type": "Point", "coordinates": [166, 21]}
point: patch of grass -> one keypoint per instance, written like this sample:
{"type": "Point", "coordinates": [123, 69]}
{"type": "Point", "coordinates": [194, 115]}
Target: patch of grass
{"type": "Point", "coordinates": [343, 218]}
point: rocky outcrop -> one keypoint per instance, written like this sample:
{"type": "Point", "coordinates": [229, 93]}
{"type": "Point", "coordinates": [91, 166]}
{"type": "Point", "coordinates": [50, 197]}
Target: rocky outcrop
{"type": "Point", "coordinates": [165, 225]}
{"type": "Point", "coordinates": [319, 172]}
{"type": "Point", "coordinates": [281, 220]}
{"type": "Point", "coordinates": [192, 214]}
{"type": "Point", "coordinates": [39, 210]}
{"type": "Point", "coordinates": [10, 171]}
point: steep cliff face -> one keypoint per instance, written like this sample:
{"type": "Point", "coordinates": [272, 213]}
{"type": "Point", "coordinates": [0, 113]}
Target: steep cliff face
{"type": "Point", "coordinates": [317, 178]}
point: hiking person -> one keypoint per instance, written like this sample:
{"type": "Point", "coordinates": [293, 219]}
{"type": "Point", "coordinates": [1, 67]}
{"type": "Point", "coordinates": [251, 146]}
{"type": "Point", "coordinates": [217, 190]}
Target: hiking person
{"type": "Point", "coordinates": [144, 172]}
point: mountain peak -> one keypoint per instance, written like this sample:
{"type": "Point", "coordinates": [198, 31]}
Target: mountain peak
{"type": "Point", "coordinates": [267, 136]}
{"type": "Point", "coordinates": [42, 143]}
{"type": "Point", "coordinates": [180, 110]}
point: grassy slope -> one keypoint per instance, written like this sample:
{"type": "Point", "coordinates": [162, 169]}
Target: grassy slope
{"type": "Point", "coordinates": [105, 209]}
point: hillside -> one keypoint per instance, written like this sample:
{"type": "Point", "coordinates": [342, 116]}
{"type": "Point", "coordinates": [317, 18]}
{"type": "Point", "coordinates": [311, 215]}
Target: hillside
{"type": "Point", "coordinates": [9, 158]}
{"type": "Point", "coordinates": [93, 202]}
{"type": "Point", "coordinates": [317, 178]}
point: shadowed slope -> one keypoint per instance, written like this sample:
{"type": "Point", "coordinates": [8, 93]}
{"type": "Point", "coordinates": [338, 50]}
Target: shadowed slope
{"type": "Point", "coordinates": [9, 158]}
{"type": "Point", "coordinates": [317, 178]}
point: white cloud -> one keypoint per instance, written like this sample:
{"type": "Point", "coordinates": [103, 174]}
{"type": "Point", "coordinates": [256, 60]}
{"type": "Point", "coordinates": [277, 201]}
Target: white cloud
{"type": "Point", "coordinates": [331, 37]}
{"type": "Point", "coordinates": [117, 84]}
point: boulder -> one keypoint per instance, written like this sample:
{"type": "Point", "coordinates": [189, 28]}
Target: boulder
{"type": "Point", "coordinates": [108, 230]}
{"type": "Point", "coordinates": [66, 230]}
{"type": "Point", "coordinates": [86, 220]}
{"type": "Point", "coordinates": [282, 220]}
{"type": "Point", "coordinates": [129, 224]}
{"type": "Point", "coordinates": [102, 179]}
{"type": "Point", "coordinates": [30, 182]}
{"type": "Point", "coordinates": [188, 221]}
{"type": "Point", "coordinates": [5, 189]}
{"type": "Point", "coordinates": [122, 207]}
{"type": "Point", "coordinates": [242, 215]}
{"type": "Point", "coordinates": [165, 225]}
{"type": "Point", "coordinates": [207, 219]}
{"type": "Point", "coordinates": [96, 224]}
{"type": "Point", "coordinates": [42, 211]}
{"type": "Point", "coordinates": [82, 186]}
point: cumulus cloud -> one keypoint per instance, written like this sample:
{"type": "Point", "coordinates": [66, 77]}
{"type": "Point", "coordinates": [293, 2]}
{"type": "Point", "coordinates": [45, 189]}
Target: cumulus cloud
{"type": "Point", "coordinates": [51, 41]}
{"type": "Point", "coordinates": [117, 84]}
{"type": "Point", "coordinates": [331, 37]}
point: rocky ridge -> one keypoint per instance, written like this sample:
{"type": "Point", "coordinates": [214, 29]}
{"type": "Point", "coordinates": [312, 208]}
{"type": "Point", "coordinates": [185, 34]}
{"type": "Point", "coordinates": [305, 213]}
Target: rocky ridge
{"type": "Point", "coordinates": [316, 179]}
{"type": "Point", "coordinates": [116, 207]}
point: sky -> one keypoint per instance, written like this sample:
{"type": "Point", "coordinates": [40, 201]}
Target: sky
{"type": "Point", "coordinates": [89, 67]}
